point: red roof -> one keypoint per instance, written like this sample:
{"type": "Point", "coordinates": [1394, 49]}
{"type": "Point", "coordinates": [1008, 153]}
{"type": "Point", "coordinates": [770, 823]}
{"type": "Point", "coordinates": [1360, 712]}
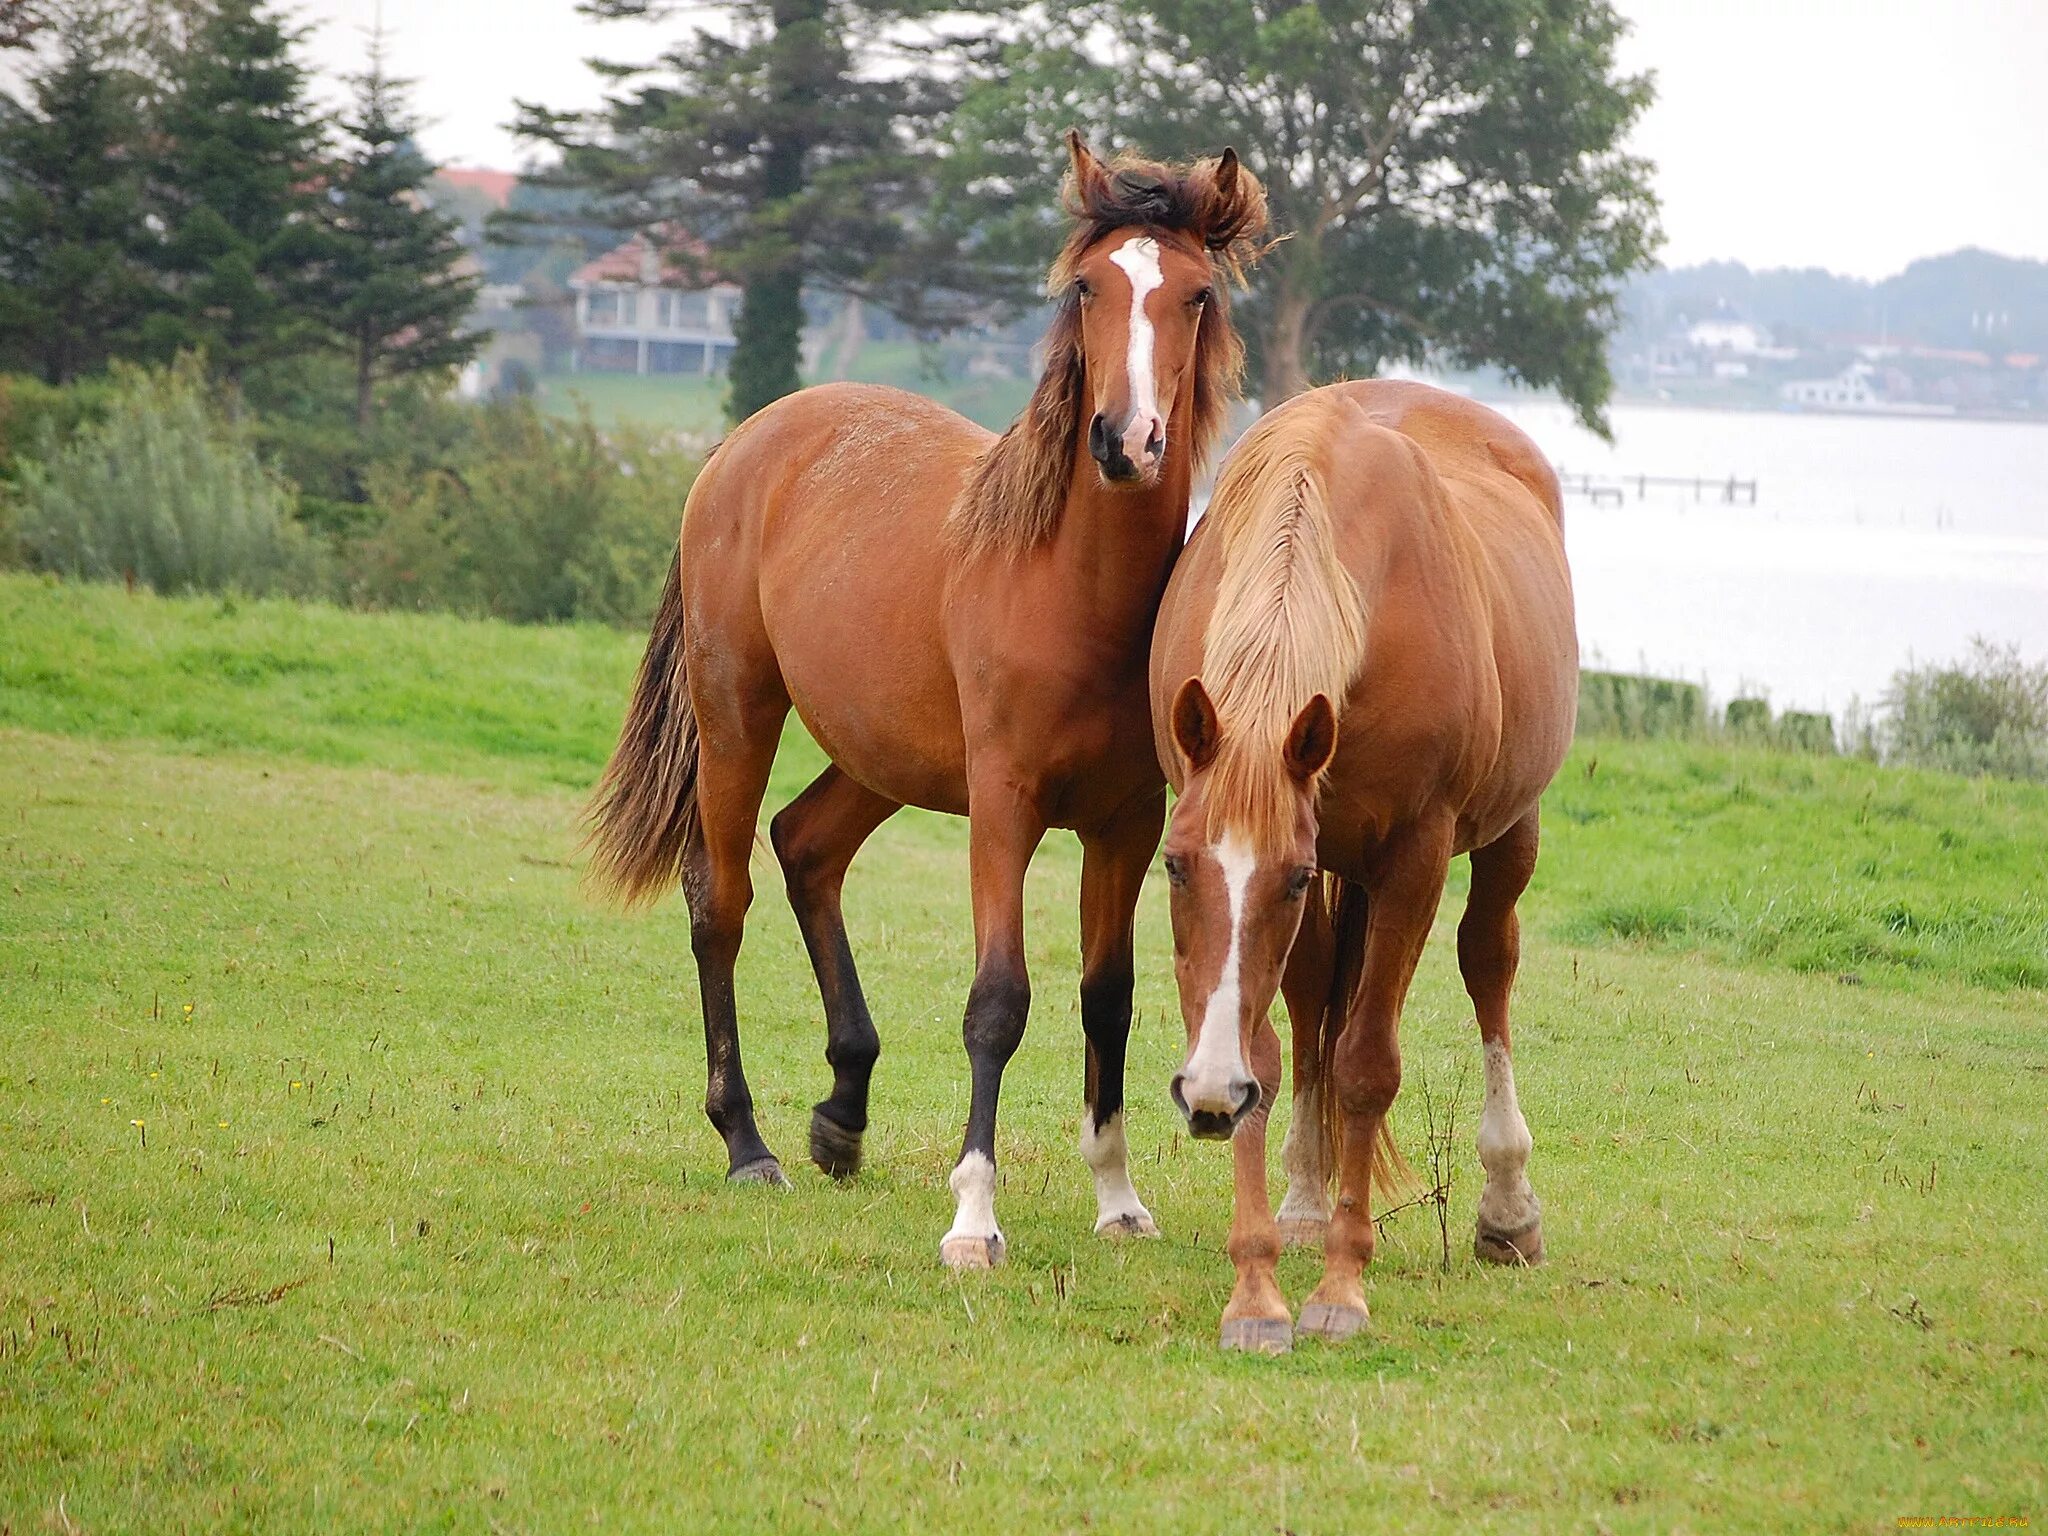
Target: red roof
{"type": "Point", "coordinates": [681, 253]}
{"type": "Point", "coordinates": [496, 185]}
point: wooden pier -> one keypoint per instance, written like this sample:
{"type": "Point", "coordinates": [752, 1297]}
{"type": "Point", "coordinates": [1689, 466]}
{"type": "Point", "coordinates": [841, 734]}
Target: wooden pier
{"type": "Point", "coordinates": [1732, 491]}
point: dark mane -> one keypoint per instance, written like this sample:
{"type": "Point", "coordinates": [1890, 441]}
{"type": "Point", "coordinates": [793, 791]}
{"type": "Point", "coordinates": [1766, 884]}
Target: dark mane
{"type": "Point", "coordinates": [1014, 494]}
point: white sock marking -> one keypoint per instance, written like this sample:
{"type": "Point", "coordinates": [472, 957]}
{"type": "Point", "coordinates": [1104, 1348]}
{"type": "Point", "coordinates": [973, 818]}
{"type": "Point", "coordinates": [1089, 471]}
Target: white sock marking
{"type": "Point", "coordinates": [974, 1188]}
{"type": "Point", "coordinates": [1507, 1203]}
{"type": "Point", "coordinates": [1107, 1156]}
{"type": "Point", "coordinates": [1308, 1196]}
{"type": "Point", "coordinates": [1218, 1059]}
{"type": "Point", "coordinates": [1139, 260]}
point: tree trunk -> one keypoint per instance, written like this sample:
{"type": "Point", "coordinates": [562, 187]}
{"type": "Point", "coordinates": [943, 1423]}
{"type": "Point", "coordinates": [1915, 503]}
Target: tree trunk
{"type": "Point", "coordinates": [365, 377]}
{"type": "Point", "coordinates": [1285, 373]}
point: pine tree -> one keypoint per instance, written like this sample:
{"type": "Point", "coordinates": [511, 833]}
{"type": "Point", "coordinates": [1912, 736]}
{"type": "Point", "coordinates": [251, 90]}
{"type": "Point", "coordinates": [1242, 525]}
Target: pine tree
{"type": "Point", "coordinates": [236, 177]}
{"type": "Point", "coordinates": [793, 142]}
{"type": "Point", "coordinates": [73, 288]}
{"type": "Point", "coordinates": [393, 289]}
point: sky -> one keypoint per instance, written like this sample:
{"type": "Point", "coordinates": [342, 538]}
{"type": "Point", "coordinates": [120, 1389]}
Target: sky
{"type": "Point", "coordinates": [1855, 135]}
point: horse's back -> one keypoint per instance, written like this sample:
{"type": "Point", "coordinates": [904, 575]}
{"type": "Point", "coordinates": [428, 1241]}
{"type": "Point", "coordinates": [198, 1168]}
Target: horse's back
{"type": "Point", "coordinates": [1498, 505]}
{"type": "Point", "coordinates": [1459, 434]}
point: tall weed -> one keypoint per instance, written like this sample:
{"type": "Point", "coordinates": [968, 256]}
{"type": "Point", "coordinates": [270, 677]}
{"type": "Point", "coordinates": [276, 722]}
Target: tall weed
{"type": "Point", "coordinates": [165, 489]}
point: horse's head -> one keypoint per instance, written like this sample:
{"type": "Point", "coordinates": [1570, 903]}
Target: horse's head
{"type": "Point", "coordinates": [1238, 885]}
{"type": "Point", "coordinates": [1144, 284]}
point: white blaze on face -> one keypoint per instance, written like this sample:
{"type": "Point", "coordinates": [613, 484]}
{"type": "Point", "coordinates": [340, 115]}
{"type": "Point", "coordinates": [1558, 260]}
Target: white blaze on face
{"type": "Point", "coordinates": [1218, 1059]}
{"type": "Point", "coordinates": [1139, 260]}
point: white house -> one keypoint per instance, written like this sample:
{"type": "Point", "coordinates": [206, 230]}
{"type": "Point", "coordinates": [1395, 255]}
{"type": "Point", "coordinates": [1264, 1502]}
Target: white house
{"type": "Point", "coordinates": [1853, 389]}
{"type": "Point", "coordinates": [638, 311]}
{"type": "Point", "coordinates": [1740, 337]}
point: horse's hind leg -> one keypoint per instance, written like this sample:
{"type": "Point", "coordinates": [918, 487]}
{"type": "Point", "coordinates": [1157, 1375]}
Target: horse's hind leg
{"type": "Point", "coordinates": [1305, 984]}
{"type": "Point", "coordinates": [1510, 1229]}
{"type": "Point", "coordinates": [738, 734]}
{"type": "Point", "coordinates": [815, 837]}
{"type": "Point", "coordinates": [1113, 863]}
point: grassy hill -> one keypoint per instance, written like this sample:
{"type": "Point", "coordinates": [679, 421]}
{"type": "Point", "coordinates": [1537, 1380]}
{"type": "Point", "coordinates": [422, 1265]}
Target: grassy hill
{"type": "Point", "coordinates": [352, 1170]}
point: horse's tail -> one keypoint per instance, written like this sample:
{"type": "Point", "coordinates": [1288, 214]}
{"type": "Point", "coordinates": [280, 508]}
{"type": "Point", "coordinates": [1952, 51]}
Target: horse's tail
{"type": "Point", "coordinates": [1391, 1175]}
{"type": "Point", "coordinates": [642, 819]}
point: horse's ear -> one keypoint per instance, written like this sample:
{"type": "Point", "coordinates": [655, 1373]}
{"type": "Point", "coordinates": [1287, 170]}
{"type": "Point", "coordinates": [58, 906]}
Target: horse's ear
{"type": "Point", "coordinates": [1226, 175]}
{"type": "Point", "coordinates": [1311, 740]}
{"type": "Point", "coordinates": [1196, 730]}
{"type": "Point", "coordinates": [1084, 169]}
{"type": "Point", "coordinates": [1236, 212]}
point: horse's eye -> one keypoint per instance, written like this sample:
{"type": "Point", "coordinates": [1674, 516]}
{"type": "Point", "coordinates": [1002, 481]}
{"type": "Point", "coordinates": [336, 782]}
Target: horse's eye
{"type": "Point", "coordinates": [1298, 882]}
{"type": "Point", "coordinates": [1202, 297]}
{"type": "Point", "coordinates": [1176, 870]}
{"type": "Point", "coordinates": [1082, 288]}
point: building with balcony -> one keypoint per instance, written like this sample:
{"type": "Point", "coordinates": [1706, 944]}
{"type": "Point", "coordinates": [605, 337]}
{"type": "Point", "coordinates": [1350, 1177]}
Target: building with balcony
{"type": "Point", "coordinates": [641, 309]}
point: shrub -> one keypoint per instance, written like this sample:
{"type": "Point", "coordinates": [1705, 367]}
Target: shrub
{"type": "Point", "coordinates": [1749, 718]}
{"type": "Point", "coordinates": [1987, 713]}
{"type": "Point", "coordinates": [1802, 732]}
{"type": "Point", "coordinates": [536, 520]}
{"type": "Point", "coordinates": [1624, 704]}
{"type": "Point", "coordinates": [166, 489]}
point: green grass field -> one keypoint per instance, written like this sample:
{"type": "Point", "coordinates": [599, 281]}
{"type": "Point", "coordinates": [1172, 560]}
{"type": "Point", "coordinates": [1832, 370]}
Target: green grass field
{"type": "Point", "coordinates": [352, 1171]}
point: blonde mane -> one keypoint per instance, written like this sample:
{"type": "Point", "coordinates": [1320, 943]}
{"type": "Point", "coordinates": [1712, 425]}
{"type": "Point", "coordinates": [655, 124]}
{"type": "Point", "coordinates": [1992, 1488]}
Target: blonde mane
{"type": "Point", "coordinates": [1014, 494]}
{"type": "Point", "coordinates": [1289, 622]}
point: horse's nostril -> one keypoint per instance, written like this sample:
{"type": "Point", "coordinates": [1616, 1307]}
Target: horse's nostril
{"type": "Point", "coordinates": [1155, 445]}
{"type": "Point", "coordinates": [1247, 1102]}
{"type": "Point", "coordinates": [1100, 443]}
{"type": "Point", "coordinates": [1176, 1090]}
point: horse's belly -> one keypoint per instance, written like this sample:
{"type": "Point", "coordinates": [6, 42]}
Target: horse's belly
{"type": "Point", "coordinates": [857, 639]}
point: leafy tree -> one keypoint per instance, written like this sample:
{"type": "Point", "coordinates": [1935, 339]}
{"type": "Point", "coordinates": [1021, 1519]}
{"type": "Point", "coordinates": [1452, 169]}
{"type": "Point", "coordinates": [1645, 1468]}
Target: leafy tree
{"type": "Point", "coordinates": [20, 20]}
{"type": "Point", "coordinates": [236, 174]}
{"type": "Point", "coordinates": [73, 287]}
{"type": "Point", "coordinates": [793, 144]}
{"type": "Point", "coordinates": [392, 285]}
{"type": "Point", "coordinates": [1448, 175]}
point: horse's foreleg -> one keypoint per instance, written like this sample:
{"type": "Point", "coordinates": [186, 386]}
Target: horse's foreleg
{"type": "Point", "coordinates": [1256, 1317]}
{"type": "Point", "coordinates": [815, 837]}
{"type": "Point", "coordinates": [1003, 832]}
{"type": "Point", "coordinates": [1366, 1073]}
{"type": "Point", "coordinates": [1113, 864]}
{"type": "Point", "coordinates": [735, 755]}
{"type": "Point", "coordinates": [1305, 984]}
{"type": "Point", "coordinates": [1510, 1227]}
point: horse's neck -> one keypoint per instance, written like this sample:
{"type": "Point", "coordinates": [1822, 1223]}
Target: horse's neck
{"type": "Point", "coordinates": [1115, 548]}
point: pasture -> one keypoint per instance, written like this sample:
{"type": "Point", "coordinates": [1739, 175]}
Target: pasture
{"type": "Point", "coordinates": [352, 1169]}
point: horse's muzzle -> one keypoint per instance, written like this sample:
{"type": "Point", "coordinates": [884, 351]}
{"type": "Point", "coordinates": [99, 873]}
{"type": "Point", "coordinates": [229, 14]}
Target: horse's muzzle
{"type": "Point", "coordinates": [1216, 1119]}
{"type": "Point", "coordinates": [1109, 447]}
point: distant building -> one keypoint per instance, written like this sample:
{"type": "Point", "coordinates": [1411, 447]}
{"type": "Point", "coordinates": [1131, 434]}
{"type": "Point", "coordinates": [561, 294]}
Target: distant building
{"type": "Point", "coordinates": [494, 187]}
{"type": "Point", "coordinates": [637, 312]}
{"type": "Point", "coordinates": [1853, 389]}
{"type": "Point", "coordinates": [1741, 337]}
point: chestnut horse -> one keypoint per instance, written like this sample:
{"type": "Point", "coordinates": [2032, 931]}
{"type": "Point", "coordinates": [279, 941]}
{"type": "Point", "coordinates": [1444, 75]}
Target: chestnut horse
{"type": "Point", "coordinates": [1387, 558]}
{"type": "Point", "coordinates": [961, 621]}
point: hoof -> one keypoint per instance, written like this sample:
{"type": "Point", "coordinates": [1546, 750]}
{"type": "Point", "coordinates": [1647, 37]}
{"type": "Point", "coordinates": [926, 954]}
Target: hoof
{"type": "Point", "coordinates": [1303, 1232]}
{"type": "Point", "coordinates": [1330, 1321]}
{"type": "Point", "coordinates": [972, 1252]}
{"type": "Point", "coordinates": [1258, 1335]}
{"type": "Point", "coordinates": [834, 1148]}
{"type": "Point", "coordinates": [1521, 1248]}
{"type": "Point", "coordinates": [1131, 1224]}
{"type": "Point", "coordinates": [762, 1170]}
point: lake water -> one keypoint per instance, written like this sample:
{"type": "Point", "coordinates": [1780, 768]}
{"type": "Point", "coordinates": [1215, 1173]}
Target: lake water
{"type": "Point", "coordinates": [1874, 541]}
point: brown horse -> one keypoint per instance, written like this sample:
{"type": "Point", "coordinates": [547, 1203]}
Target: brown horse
{"type": "Point", "coordinates": [961, 621]}
{"type": "Point", "coordinates": [1390, 557]}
